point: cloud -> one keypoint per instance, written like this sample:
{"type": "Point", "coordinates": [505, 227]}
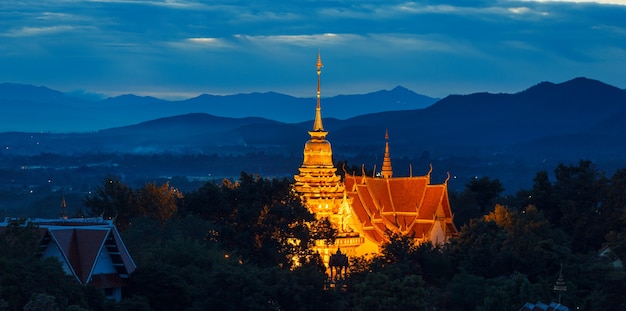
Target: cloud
{"type": "Point", "coordinates": [175, 4]}
{"type": "Point", "coordinates": [201, 43]}
{"type": "Point", "coordinates": [602, 2]}
{"type": "Point", "coordinates": [314, 40]}
{"type": "Point", "coordinates": [223, 46]}
{"type": "Point", "coordinates": [411, 8]}
{"type": "Point", "coordinates": [38, 31]}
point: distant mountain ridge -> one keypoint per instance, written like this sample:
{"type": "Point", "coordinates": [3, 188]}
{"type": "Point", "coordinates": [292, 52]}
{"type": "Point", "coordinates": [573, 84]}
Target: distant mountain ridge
{"type": "Point", "coordinates": [28, 108]}
{"type": "Point", "coordinates": [506, 136]}
{"type": "Point", "coordinates": [482, 121]}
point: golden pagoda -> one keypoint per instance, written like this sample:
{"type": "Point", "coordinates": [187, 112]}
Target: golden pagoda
{"type": "Point", "coordinates": [318, 185]}
{"type": "Point", "coordinates": [321, 188]}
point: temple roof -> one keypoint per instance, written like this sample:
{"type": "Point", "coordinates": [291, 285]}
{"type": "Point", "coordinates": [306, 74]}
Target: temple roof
{"type": "Point", "coordinates": [402, 205]}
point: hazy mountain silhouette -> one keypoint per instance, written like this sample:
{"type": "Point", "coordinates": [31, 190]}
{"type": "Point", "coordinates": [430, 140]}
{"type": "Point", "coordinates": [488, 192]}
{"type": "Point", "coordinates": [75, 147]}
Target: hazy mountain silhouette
{"type": "Point", "coordinates": [39, 109]}
{"type": "Point", "coordinates": [545, 109]}
{"type": "Point", "coordinates": [508, 136]}
{"type": "Point", "coordinates": [543, 115]}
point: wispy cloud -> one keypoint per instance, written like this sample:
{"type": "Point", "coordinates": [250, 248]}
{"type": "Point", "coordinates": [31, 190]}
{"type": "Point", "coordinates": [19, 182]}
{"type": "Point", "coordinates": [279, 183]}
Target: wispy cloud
{"type": "Point", "coordinates": [176, 4]}
{"type": "Point", "coordinates": [38, 31]}
{"type": "Point", "coordinates": [315, 40]}
{"type": "Point", "coordinates": [201, 43]}
{"type": "Point", "coordinates": [190, 45]}
{"type": "Point", "coordinates": [608, 2]}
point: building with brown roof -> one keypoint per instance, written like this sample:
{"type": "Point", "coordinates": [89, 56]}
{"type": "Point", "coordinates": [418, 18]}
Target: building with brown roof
{"type": "Point", "coordinates": [407, 206]}
{"type": "Point", "coordinates": [90, 249]}
{"type": "Point", "coordinates": [364, 209]}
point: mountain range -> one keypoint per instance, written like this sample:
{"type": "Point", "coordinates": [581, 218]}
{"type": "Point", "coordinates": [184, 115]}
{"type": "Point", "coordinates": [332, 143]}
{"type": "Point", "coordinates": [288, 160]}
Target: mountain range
{"type": "Point", "coordinates": [507, 136]}
{"type": "Point", "coordinates": [27, 108]}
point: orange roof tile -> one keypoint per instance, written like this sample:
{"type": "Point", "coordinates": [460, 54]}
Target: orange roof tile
{"type": "Point", "coordinates": [406, 193]}
{"type": "Point", "coordinates": [431, 202]}
{"type": "Point", "coordinates": [361, 213]}
{"type": "Point", "coordinates": [379, 192]}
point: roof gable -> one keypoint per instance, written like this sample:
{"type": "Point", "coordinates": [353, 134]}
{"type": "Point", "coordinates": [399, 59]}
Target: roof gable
{"type": "Point", "coordinates": [90, 249]}
{"type": "Point", "coordinates": [81, 248]}
{"type": "Point", "coordinates": [127, 261]}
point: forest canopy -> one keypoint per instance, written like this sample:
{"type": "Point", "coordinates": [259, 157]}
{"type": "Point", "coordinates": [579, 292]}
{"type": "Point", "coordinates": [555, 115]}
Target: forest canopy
{"type": "Point", "coordinates": [246, 244]}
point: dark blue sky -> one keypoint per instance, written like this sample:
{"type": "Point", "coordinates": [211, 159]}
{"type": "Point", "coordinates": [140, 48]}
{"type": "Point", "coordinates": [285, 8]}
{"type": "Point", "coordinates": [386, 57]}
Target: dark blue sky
{"type": "Point", "coordinates": [181, 48]}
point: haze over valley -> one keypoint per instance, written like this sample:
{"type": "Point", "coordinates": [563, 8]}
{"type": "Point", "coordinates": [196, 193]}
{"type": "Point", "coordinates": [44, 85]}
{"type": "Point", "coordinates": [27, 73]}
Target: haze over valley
{"type": "Point", "coordinates": [505, 136]}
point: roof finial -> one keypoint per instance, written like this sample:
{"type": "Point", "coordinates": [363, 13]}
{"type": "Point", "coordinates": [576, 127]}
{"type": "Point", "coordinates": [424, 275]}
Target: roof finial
{"type": "Point", "coordinates": [429, 172]}
{"type": "Point", "coordinates": [386, 172]}
{"type": "Point", "coordinates": [63, 208]}
{"type": "Point", "coordinates": [317, 125]}
{"type": "Point", "coordinates": [363, 173]}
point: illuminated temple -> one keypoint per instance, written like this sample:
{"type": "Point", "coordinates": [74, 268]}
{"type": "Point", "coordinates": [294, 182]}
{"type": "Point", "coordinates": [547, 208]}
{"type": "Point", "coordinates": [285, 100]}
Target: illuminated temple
{"type": "Point", "coordinates": [409, 206]}
{"type": "Point", "coordinates": [323, 192]}
{"type": "Point", "coordinates": [365, 209]}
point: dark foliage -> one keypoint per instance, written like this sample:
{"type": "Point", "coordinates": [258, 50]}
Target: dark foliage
{"type": "Point", "coordinates": [30, 283]}
{"type": "Point", "coordinates": [260, 220]}
{"type": "Point", "coordinates": [246, 245]}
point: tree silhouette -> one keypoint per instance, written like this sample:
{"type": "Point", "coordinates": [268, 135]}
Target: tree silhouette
{"type": "Point", "coordinates": [260, 219]}
{"type": "Point", "coordinates": [113, 200]}
{"type": "Point", "coordinates": [158, 201]}
{"type": "Point", "coordinates": [484, 190]}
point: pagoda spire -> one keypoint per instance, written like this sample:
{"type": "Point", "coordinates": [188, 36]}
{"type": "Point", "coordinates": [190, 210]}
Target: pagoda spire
{"type": "Point", "coordinates": [63, 208]}
{"type": "Point", "coordinates": [317, 125]}
{"type": "Point", "coordinates": [386, 170]}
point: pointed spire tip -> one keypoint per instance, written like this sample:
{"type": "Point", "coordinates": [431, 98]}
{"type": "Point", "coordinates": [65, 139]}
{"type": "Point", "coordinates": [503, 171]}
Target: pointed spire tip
{"type": "Point", "coordinates": [319, 60]}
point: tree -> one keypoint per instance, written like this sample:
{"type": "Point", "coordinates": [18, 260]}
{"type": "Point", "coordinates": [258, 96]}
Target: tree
{"type": "Point", "coordinates": [179, 269]}
{"type": "Point", "coordinates": [22, 279]}
{"type": "Point", "coordinates": [261, 220]}
{"type": "Point", "coordinates": [158, 201]}
{"type": "Point", "coordinates": [380, 291]}
{"type": "Point", "coordinates": [41, 302]}
{"type": "Point", "coordinates": [578, 190]}
{"type": "Point", "coordinates": [543, 196]}
{"type": "Point", "coordinates": [478, 249]}
{"type": "Point", "coordinates": [613, 211]}
{"type": "Point", "coordinates": [533, 247]}
{"type": "Point", "coordinates": [113, 200]}
{"type": "Point", "coordinates": [485, 190]}
{"type": "Point", "coordinates": [19, 240]}
{"type": "Point", "coordinates": [116, 200]}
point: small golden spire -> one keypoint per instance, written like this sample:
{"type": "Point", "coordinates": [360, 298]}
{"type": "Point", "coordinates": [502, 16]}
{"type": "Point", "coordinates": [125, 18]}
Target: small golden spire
{"type": "Point", "coordinates": [63, 208]}
{"type": "Point", "coordinates": [386, 172]}
{"type": "Point", "coordinates": [317, 125]}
